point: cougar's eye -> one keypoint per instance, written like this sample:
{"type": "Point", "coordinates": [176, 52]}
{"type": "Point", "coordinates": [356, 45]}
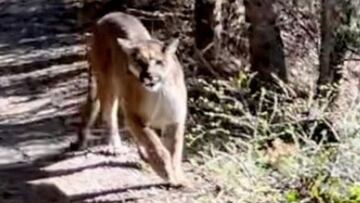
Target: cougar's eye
{"type": "Point", "coordinates": [159, 62]}
{"type": "Point", "coordinates": [142, 64]}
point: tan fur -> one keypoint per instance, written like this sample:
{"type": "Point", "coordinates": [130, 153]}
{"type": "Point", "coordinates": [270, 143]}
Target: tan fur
{"type": "Point", "coordinates": [120, 47]}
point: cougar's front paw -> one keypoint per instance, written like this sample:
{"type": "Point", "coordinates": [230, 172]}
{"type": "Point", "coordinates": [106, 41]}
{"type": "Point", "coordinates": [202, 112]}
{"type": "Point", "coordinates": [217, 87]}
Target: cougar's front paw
{"type": "Point", "coordinates": [186, 184]}
{"type": "Point", "coordinates": [114, 150]}
{"type": "Point", "coordinates": [110, 151]}
{"type": "Point", "coordinates": [182, 182]}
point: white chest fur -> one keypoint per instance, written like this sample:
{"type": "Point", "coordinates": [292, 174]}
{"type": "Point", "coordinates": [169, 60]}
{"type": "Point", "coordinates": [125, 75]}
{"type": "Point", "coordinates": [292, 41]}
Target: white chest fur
{"type": "Point", "coordinates": [165, 107]}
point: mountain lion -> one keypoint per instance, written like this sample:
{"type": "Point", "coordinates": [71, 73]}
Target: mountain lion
{"type": "Point", "coordinates": [143, 76]}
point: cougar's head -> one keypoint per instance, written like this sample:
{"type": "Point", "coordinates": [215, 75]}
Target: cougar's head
{"type": "Point", "coordinates": [150, 60]}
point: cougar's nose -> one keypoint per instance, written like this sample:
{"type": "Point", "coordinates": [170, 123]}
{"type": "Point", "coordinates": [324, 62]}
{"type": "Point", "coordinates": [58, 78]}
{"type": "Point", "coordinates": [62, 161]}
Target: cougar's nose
{"type": "Point", "coordinates": [145, 76]}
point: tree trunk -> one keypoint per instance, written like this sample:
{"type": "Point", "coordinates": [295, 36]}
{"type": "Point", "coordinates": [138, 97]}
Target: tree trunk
{"type": "Point", "coordinates": [330, 20]}
{"type": "Point", "coordinates": [266, 46]}
{"type": "Point", "coordinates": [346, 106]}
{"type": "Point", "coordinates": [340, 58]}
{"type": "Point", "coordinates": [208, 29]}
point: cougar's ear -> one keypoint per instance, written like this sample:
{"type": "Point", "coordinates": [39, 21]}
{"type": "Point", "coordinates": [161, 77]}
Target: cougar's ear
{"type": "Point", "coordinates": [126, 45]}
{"type": "Point", "coordinates": [172, 46]}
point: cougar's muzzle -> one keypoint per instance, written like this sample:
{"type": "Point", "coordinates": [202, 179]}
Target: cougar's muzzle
{"type": "Point", "coordinates": [150, 81]}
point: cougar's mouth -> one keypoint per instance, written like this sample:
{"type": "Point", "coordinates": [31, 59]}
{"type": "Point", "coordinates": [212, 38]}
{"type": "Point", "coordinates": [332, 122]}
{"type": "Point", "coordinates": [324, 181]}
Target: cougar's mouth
{"type": "Point", "coordinates": [152, 83]}
{"type": "Point", "coordinates": [149, 82]}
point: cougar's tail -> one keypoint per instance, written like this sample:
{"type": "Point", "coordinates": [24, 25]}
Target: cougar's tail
{"type": "Point", "coordinates": [91, 88]}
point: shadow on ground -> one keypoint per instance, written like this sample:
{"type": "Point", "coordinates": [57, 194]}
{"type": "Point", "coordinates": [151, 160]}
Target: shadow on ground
{"type": "Point", "coordinates": [37, 24]}
{"type": "Point", "coordinates": [42, 73]}
{"type": "Point", "coordinates": [17, 181]}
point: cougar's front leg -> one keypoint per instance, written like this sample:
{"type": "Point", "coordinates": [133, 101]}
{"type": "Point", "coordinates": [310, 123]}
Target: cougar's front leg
{"type": "Point", "coordinates": [158, 156]}
{"type": "Point", "coordinates": [173, 138]}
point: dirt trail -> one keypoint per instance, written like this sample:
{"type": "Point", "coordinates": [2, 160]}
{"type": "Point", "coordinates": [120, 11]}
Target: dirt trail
{"type": "Point", "coordinates": [42, 83]}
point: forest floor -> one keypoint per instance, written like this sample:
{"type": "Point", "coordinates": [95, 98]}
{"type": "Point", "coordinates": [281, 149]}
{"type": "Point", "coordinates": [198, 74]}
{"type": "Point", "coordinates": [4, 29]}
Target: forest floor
{"type": "Point", "coordinates": [43, 82]}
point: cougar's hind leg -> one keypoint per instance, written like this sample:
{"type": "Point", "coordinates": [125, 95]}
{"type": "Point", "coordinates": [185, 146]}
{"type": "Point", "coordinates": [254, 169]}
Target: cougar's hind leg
{"type": "Point", "coordinates": [89, 114]}
{"type": "Point", "coordinates": [110, 109]}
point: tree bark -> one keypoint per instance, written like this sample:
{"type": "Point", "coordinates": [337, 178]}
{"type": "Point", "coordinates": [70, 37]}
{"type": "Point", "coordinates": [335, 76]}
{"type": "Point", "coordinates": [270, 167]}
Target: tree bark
{"type": "Point", "coordinates": [346, 106]}
{"type": "Point", "coordinates": [329, 22]}
{"type": "Point", "coordinates": [266, 46]}
{"type": "Point", "coordinates": [340, 59]}
{"type": "Point", "coordinates": [337, 27]}
{"type": "Point", "coordinates": [208, 30]}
